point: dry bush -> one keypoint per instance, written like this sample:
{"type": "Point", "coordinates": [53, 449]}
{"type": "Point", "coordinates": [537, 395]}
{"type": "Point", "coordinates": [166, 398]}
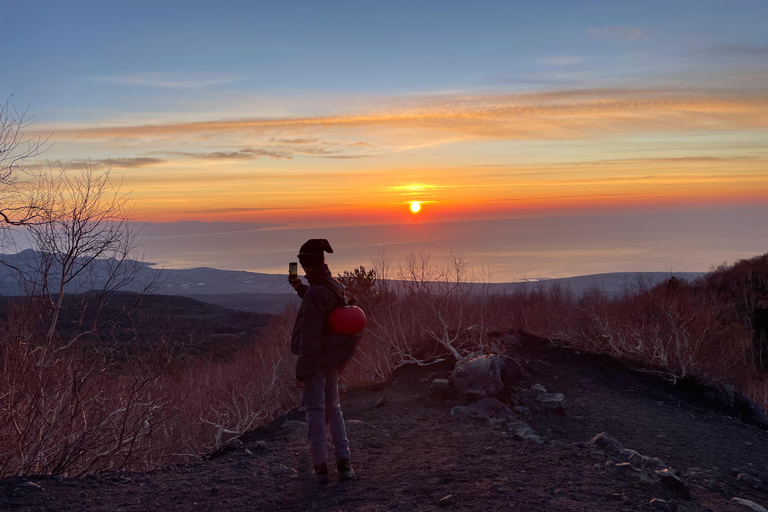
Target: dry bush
{"type": "Point", "coordinates": [676, 328]}
{"type": "Point", "coordinates": [223, 400]}
{"type": "Point", "coordinates": [62, 413]}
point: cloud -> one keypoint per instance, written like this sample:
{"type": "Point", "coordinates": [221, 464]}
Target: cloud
{"type": "Point", "coordinates": [557, 114]}
{"type": "Point", "coordinates": [316, 151]}
{"type": "Point", "coordinates": [243, 154]}
{"type": "Point", "coordinates": [292, 141]}
{"type": "Point", "coordinates": [625, 33]}
{"type": "Point", "coordinates": [346, 157]}
{"type": "Point", "coordinates": [738, 50]}
{"type": "Point", "coordinates": [171, 80]}
{"type": "Point", "coordinates": [122, 163]}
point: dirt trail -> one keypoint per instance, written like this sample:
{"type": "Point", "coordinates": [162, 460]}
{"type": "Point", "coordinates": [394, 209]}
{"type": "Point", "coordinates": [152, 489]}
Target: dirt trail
{"type": "Point", "coordinates": [409, 454]}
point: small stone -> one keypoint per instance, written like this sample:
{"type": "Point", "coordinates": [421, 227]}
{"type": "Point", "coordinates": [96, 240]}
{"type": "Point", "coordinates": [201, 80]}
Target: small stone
{"type": "Point", "coordinates": [381, 401]}
{"type": "Point", "coordinates": [497, 488]}
{"type": "Point", "coordinates": [445, 501]}
{"type": "Point", "coordinates": [627, 453]}
{"type": "Point", "coordinates": [263, 446]}
{"type": "Point", "coordinates": [440, 390]}
{"type": "Point", "coordinates": [605, 442]}
{"type": "Point", "coordinates": [537, 389]}
{"type": "Point", "coordinates": [749, 480]}
{"type": "Point", "coordinates": [597, 454]}
{"type": "Point", "coordinates": [673, 483]}
{"type": "Point", "coordinates": [658, 504]}
{"type": "Point", "coordinates": [749, 504]}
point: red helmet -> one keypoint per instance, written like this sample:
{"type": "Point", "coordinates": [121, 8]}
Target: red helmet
{"type": "Point", "coordinates": [347, 320]}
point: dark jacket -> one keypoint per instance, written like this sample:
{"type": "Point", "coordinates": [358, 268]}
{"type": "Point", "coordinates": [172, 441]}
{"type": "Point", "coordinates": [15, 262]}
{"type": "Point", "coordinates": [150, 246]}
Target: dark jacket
{"type": "Point", "coordinates": [311, 328]}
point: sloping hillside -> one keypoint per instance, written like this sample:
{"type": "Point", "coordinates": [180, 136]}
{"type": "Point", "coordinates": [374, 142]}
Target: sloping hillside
{"type": "Point", "coordinates": [411, 454]}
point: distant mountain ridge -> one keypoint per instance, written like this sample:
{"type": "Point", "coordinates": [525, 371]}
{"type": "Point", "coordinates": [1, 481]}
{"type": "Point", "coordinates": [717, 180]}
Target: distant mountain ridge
{"type": "Point", "coordinates": [271, 293]}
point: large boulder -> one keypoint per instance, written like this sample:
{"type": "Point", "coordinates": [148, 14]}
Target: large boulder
{"type": "Point", "coordinates": [486, 376]}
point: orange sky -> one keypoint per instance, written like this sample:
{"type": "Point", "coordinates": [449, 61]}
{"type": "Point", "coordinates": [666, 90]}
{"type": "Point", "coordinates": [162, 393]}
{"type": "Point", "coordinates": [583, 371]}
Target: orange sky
{"type": "Point", "coordinates": [462, 156]}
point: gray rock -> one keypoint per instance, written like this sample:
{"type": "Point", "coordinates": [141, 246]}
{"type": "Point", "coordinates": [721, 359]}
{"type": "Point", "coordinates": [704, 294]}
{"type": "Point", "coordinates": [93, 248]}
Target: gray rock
{"type": "Point", "coordinates": [486, 376]}
{"type": "Point", "coordinates": [749, 504]}
{"type": "Point", "coordinates": [626, 453]}
{"type": "Point", "coordinates": [440, 390]}
{"type": "Point", "coordinates": [523, 432]}
{"type": "Point", "coordinates": [522, 411]}
{"type": "Point", "coordinates": [606, 443]}
{"type": "Point", "coordinates": [645, 463]}
{"type": "Point", "coordinates": [488, 410]}
{"type": "Point", "coordinates": [445, 501]}
{"type": "Point", "coordinates": [658, 504]}
{"type": "Point", "coordinates": [537, 389]}
{"type": "Point", "coordinates": [672, 482]}
{"type": "Point", "coordinates": [263, 446]}
{"type": "Point", "coordinates": [749, 480]}
{"type": "Point", "coordinates": [552, 402]}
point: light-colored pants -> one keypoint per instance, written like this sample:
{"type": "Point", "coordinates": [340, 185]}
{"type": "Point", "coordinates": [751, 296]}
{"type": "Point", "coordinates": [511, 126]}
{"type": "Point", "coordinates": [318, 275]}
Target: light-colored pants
{"type": "Point", "coordinates": [322, 407]}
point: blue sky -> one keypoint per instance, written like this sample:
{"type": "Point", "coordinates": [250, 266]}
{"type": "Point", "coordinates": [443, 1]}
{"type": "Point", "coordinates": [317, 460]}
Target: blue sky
{"type": "Point", "coordinates": [77, 59]}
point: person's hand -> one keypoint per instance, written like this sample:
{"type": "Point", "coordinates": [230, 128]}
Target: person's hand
{"type": "Point", "coordinates": [295, 282]}
{"type": "Point", "coordinates": [299, 384]}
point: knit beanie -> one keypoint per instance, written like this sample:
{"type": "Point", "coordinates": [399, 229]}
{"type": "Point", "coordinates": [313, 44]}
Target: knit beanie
{"type": "Point", "coordinates": [311, 253]}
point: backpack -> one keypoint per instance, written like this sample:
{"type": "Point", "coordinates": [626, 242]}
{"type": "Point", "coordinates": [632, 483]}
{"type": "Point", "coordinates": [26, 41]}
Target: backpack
{"type": "Point", "coordinates": [338, 349]}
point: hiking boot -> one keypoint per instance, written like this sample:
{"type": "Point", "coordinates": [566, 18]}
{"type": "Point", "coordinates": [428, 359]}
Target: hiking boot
{"type": "Point", "coordinates": [321, 473]}
{"type": "Point", "coordinates": [345, 469]}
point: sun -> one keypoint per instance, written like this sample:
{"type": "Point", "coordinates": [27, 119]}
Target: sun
{"type": "Point", "coordinates": [415, 207]}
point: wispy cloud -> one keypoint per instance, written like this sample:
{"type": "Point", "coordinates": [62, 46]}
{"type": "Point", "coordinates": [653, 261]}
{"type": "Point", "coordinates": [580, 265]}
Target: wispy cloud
{"type": "Point", "coordinates": [171, 80]}
{"type": "Point", "coordinates": [242, 154]}
{"type": "Point", "coordinates": [292, 141]}
{"type": "Point", "coordinates": [626, 33]}
{"type": "Point", "coordinates": [738, 50]}
{"type": "Point", "coordinates": [123, 163]}
{"type": "Point", "coordinates": [346, 157]}
{"type": "Point", "coordinates": [559, 114]}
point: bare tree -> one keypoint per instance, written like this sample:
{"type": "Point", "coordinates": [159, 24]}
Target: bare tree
{"type": "Point", "coordinates": [21, 201]}
{"type": "Point", "coordinates": [85, 241]}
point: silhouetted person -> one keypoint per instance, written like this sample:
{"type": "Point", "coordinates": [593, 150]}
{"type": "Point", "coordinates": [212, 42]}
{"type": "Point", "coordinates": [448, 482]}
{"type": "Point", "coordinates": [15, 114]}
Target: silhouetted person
{"type": "Point", "coordinates": [320, 395]}
{"type": "Point", "coordinates": [760, 334]}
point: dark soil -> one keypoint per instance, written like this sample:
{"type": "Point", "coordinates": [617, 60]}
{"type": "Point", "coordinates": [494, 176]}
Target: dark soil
{"type": "Point", "coordinates": [410, 454]}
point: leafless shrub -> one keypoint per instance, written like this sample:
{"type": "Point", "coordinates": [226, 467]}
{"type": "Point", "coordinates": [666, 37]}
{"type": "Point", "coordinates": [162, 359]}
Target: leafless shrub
{"type": "Point", "coordinates": [223, 400]}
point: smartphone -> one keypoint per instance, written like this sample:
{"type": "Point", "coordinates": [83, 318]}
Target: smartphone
{"type": "Point", "coordinates": [293, 270]}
